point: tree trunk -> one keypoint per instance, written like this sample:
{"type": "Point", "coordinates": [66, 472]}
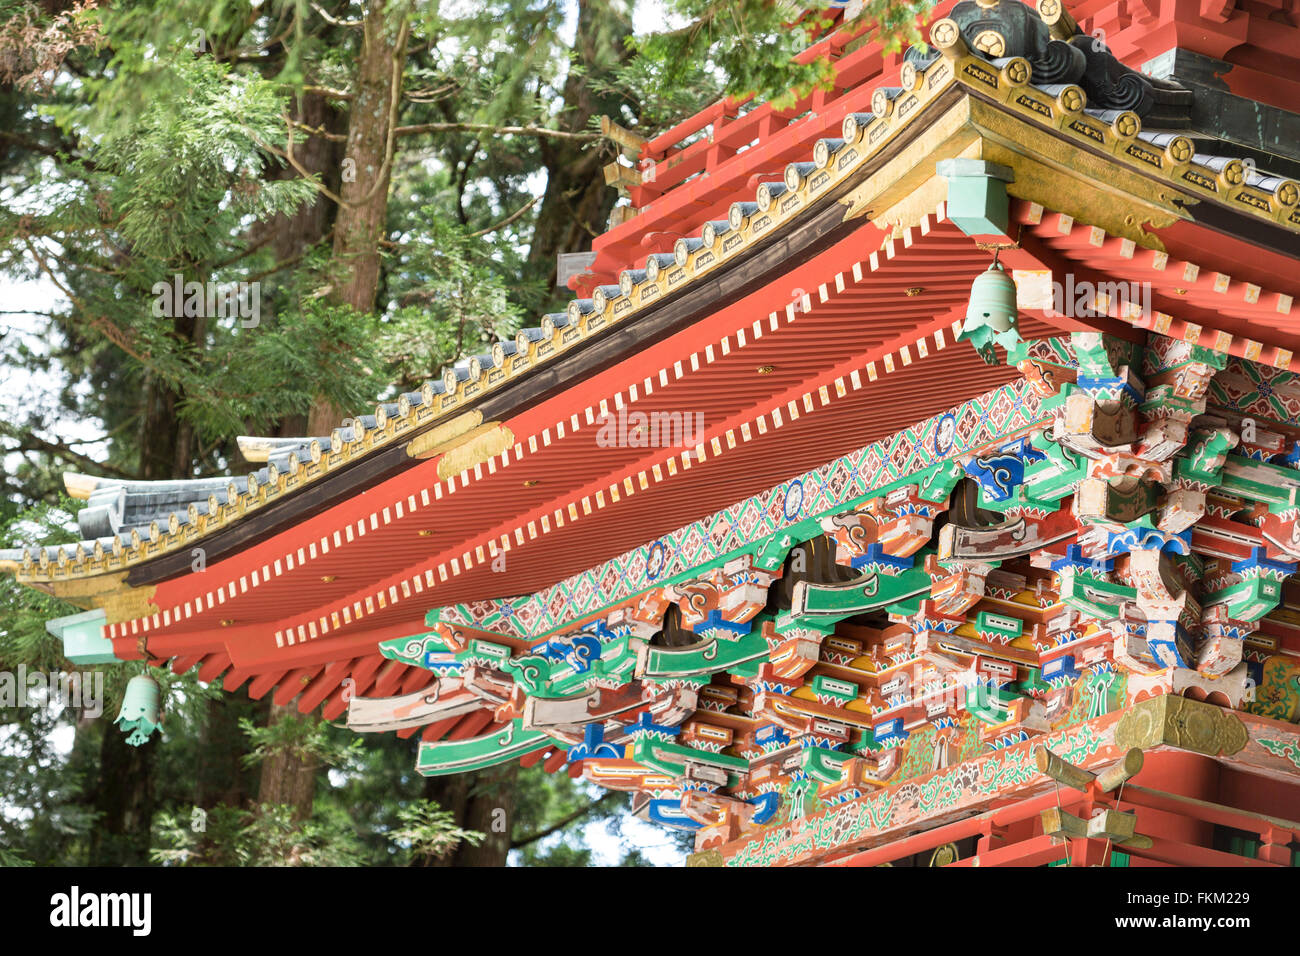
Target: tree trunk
{"type": "Point", "coordinates": [577, 202]}
{"type": "Point", "coordinates": [124, 795]}
{"type": "Point", "coordinates": [286, 778]}
{"type": "Point", "coordinates": [220, 777]}
{"type": "Point", "coordinates": [125, 801]}
{"type": "Point", "coordinates": [482, 801]}
{"type": "Point", "coordinates": [166, 442]}
{"type": "Point", "coordinates": [368, 158]}
{"type": "Point", "coordinates": [311, 222]}
{"type": "Point", "coordinates": [316, 154]}
{"type": "Point", "coordinates": [367, 172]}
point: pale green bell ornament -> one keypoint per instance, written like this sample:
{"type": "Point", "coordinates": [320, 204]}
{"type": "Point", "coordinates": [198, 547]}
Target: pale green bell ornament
{"type": "Point", "coordinates": [139, 714]}
{"type": "Point", "coordinates": [991, 315]}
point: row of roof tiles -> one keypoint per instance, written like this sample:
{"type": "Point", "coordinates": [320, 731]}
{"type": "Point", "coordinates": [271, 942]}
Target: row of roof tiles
{"type": "Point", "coordinates": [126, 522]}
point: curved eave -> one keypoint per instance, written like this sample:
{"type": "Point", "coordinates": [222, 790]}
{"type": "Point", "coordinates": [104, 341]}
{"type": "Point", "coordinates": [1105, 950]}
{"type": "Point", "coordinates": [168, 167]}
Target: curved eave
{"type": "Point", "coordinates": [1057, 126]}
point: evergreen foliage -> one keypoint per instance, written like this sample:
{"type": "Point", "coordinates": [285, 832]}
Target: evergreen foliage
{"type": "Point", "coordinates": [146, 143]}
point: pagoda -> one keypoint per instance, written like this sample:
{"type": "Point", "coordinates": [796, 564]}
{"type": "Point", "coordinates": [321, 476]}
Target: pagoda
{"type": "Point", "coordinates": [913, 480]}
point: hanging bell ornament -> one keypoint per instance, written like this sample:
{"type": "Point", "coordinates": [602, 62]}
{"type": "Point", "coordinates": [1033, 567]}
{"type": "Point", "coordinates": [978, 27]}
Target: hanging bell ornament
{"type": "Point", "coordinates": [139, 714]}
{"type": "Point", "coordinates": [991, 314]}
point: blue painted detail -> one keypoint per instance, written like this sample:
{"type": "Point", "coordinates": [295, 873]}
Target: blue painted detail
{"type": "Point", "coordinates": [656, 560]}
{"type": "Point", "coordinates": [579, 651]}
{"type": "Point", "coordinates": [1288, 459]}
{"type": "Point", "coordinates": [1009, 740]}
{"type": "Point", "coordinates": [1060, 668]}
{"type": "Point", "coordinates": [771, 735]}
{"type": "Point", "coordinates": [1146, 537]}
{"type": "Point", "coordinates": [593, 745]}
{"type": "Point", "coordinates": [1093, 384]}
{"type": "Point", "coordinates": [768, 804]}
{"type": "Point", "coordinates": [776, 686]}
{"type": "Point", "coordinates": [600, 630]}
{"type": "Point", "coordinates": [793, 503]}
{"type": "Point", "coordinates": [668, 812]}
{"type": "Point", "coordinates": [1255, 671]}
{"type": "Point", "coordinates": [644, 724]}
{"type": "Point", "coordinates": [877, 558]}
{"type": "Point", "coordinates": [1074, 558]}
{"type": "Point", "coordinates": [714, 622]}
{"type": "Point", "coordinates": [1024, 449]}
{"type": "Point", "coordinates": [998, 475]}
{"type": "Point", "coordinates": [945, 431]}
{"type": "Point", "coordinates": [1170, 653]}
{"type": "Point", "coordinates": [945, 625]}
{"type": "Point", "coordinates": [439, 660]}
{"type": "Point", "coordinates": [891, 732]}
{"type": "Point", "coordinates": [1259, 560]}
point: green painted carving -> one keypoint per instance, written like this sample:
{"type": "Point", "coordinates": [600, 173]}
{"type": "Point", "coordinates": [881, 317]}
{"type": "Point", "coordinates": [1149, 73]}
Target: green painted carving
{"type": "Point", "coordinates": [1248, 600]}
{"type": "Point", "coordinates": [541, 677]}
{"type": "Point", "coordinates": [1174, 355]}
{"type": "Point", "coordinates": [1002, 625]}
{"type": "Point", "coordinates": [1203, 458]}
{"type": "Point", "coordinates": [1278, 693]}
{"type": "Point", "coordinates": [989, 704]}
{"type": "Point", "coordinates": [1281, 748]}
{"type": "Point", "coordinates": [939, 483]}
{"type": "Point", "coordinates": [801, 798]}
{"type": "Point", "coordinates": [457, 756]}
{"type": "Point", "coordinates": [771, 554]}
{"type": "Point", "coordinates": [83, 637]}
{"type": "Point", "coordinates": [1033, 685]}
{"type": "Point", "coordinates": [1160, 400]}
{"type": "Point", "coordinates": [1103, 356]}
{"type": "Point", "coordinates": [918, 756]}
{"type": "Point", "coordinates": [1095, 694]}
{"type": "Point", "coordinates": [1273, 485]}
{"type": "Point", "coordinates": [415, 648]}
{"type": "Point", "coordinates": [671, 759]}
{"type": "Point", "coordinates": [486, 652]}
{"type": "Point", "coordinates": [1092, 596]}
{"type": "Point", "coordinates": [532, 673]}
{"type": "Point", "coordinates": [706, 657]}
{"type": "Point", "coordinates": [789, 625]}
{"type": "Point", "coordinates": [871, 591]}
{"type": "Point", "coordinates": [823, 765]}
{"type": "Point", "coordinates": [834, 688]}
{"type": "Point", "coordinates": [868, 744]}
{"type": "Point", "coordinates": [977, 196]}
{"type": "Point", "coordinates": [1047, 482]}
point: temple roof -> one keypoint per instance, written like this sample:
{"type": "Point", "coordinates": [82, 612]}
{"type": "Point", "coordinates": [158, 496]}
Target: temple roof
{"type": "Point", "coordinates": [812, 283]}
{"type": "Point", "coordinates": [1142, 121]}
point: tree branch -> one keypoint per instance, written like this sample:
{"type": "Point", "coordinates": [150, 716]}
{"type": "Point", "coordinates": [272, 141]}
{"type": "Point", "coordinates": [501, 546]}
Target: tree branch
{"type": "Point", "coordinates": [508, 220]}
{"type": "Point", "coordinates": [30, 441]}
{"type": "Point", "coordinates": [538, 131]}
{"type": "Point", "coordinates": [563, 821]}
